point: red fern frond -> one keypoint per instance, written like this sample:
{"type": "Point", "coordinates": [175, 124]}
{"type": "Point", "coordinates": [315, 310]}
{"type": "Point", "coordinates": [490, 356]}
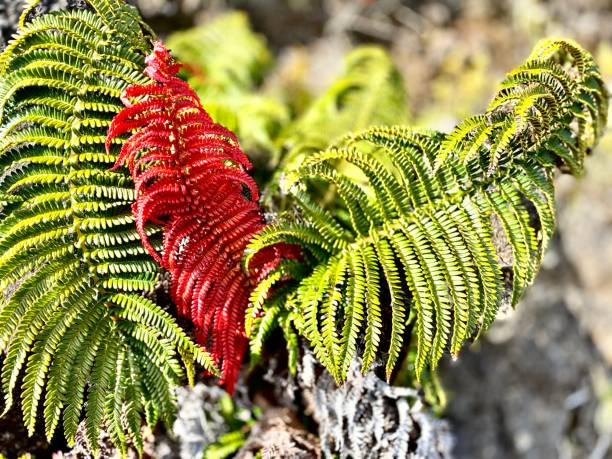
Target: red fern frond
{"type": "Point", "coordinates": [191, 178]}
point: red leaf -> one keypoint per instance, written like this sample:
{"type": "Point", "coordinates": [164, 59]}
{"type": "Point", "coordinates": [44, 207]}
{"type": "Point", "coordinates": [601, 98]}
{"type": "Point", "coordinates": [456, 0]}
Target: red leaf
{"type": "Point", "coordinates": [191, 177]}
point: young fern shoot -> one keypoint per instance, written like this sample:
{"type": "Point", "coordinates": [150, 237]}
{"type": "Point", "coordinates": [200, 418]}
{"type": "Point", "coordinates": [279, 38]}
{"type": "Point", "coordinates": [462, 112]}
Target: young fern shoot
{"type": "Point", "coordinates": [191, 178]}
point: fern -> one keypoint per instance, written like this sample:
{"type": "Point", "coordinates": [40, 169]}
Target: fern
{"type": "Point", "coordinates": [218, 66]}
{"type": "Point", "coordinates": [410, 252]}
{"type": "Point", "coordinates": [80, 337]}
{"type": "Point", "coordinates": [369, 92]}
{"type": "Point", "coordinates": [226, 74]}
{"type": "Point", "coordinates": [190, 177]}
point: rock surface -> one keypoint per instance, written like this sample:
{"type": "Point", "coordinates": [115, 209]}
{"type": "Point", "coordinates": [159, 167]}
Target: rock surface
{"type": "Point", "coordinates": [366, 418]}
{"type": "Point", "coordinates": [585, 222]}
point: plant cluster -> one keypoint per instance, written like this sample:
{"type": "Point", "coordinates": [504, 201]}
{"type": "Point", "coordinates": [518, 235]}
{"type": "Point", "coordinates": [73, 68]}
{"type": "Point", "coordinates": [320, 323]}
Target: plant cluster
{"type": "Point", "coordinates": [113, 171]}
{"type": "Point", "coordinates": [411, 218]}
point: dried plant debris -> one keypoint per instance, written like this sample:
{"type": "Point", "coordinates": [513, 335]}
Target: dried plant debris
{"type": "Point", "coordinates": [279, 434]}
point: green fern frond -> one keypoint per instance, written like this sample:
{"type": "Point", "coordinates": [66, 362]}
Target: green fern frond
{"type": "Point", "coordinates": [81, 339]}
{"type": "Point", "coordinates": [257, 119]}
{"type": "Point", "coordinates": [217, 65]}
{"type": "Point", "coordinates": [369, 92]}
{"type": "Point", "coordinates": [416, 245]}
{"type": "Point", "coordinates": [556, 102]}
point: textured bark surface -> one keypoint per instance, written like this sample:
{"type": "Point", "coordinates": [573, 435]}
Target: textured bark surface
{"type": "Point", "coordinates": [366, 418]}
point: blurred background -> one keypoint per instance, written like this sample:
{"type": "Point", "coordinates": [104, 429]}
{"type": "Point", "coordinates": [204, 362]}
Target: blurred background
{"type": "Point", "coordinates": [539, 384]}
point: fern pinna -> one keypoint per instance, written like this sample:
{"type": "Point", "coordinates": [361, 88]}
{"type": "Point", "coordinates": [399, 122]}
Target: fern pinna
{"type": "Point", "coordinates": [190, 177]}
{"type": "Point", "coordinates": [410, 251]}
{"type": "Point", "coordinates": [80, 335]}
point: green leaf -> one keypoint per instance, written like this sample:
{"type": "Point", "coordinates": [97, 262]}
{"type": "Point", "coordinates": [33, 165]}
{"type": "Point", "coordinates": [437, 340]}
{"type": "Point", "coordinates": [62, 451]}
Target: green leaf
{"type": "Point", "coordinates": [401, 228]}
{"type": "Point", "coordinates": [81, 338]}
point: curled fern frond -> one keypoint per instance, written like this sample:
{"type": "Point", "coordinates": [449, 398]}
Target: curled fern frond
{"type": "Point", "coordinates": [190, 177]}
{"type": "Point", "coordinates": [554, 103]}
{"type": "Point", "coordinates": [416, 249]}
{"type": "Point", "coordinates": [79, 335]}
